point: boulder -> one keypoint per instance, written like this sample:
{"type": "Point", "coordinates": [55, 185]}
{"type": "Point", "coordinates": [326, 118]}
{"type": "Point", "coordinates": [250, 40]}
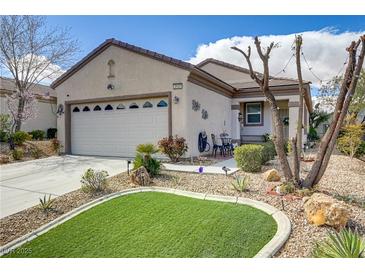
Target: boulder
{"type": "Point", "coordinates": [4, 159]}
{"type": "Point", "coordinates": [321, 209]}
{"type": "Point", "coordinates": [140, 176]}
{"type": "Point", "coordinates": [272, 175]}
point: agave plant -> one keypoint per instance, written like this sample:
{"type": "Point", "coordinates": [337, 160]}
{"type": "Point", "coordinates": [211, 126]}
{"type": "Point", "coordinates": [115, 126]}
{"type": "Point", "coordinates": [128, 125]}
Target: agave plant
{"type": "Point", "coordinates": [46, 203]}
{"type": "Point", "coordinates": [345, 244]}
{"type": "Point", "coordinates": [240, 183]}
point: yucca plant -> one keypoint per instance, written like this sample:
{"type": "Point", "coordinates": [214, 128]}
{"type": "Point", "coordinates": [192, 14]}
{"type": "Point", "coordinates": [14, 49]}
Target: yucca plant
{"type": "Point", "coordinates": [240, 183]}
{"type": "Point", "coordinates": [46, 203]}
{"type": "Point", "coordinates": [343, 244]}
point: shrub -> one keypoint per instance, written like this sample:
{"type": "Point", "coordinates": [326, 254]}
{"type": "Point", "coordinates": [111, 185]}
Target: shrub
{"type": "Point", "coordinates": [249, 157]}
{"type": "Point", "coordinates": [287, 188]}
{"type": "Point", "coordinates": [17, 154]}
{"type": "Point", "coordinates": [345, 244]}
{"type": "Point", "coordinates": [46, 204]}
{"type": "Point", "coordinates": [144, 158]}
{"type": "Point", "coordinates": [56, 145]}
{"type": "Point", "coordinates": [20, 137]}
{"type": "Point", "coordinates": [38, 134]}
{"type": "Point", "coordinates": [240, 183]}
{"type": "Point", "coordinates": [5, 125]}
{"type": "Point", "coordinates": [94, 180]}
{"type": "Point", "coordinates": [173, 147]}
{"type": "Point", "coordinates": [51, 133]}
{"type": "Point", "coordinates": [351, 140]}
{"type": "Point", "coordinates": [268, 152]}
{"type": "Point", "coordinates": [36, 152]}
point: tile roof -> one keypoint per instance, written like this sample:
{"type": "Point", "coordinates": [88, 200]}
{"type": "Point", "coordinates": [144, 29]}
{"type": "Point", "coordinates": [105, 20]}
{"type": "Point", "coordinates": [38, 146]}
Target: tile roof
{"type": "Point", "coordinates": [8, 84]}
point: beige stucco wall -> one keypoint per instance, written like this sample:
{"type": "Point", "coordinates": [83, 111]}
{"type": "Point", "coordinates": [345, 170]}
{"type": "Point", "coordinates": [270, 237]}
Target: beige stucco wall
{"type": "Point", "coordinates": [134, 74]}
{"type": "Point", "coordinates": [45, 116]}
{"type": "Point", "coordinates": [226, 74]}
{"type": "Point", "coordinates": [219, 115]}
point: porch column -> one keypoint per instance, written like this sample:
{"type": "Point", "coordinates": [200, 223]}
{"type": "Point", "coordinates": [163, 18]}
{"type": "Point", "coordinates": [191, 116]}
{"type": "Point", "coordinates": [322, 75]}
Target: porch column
{"type": "Point", "coordinates": [235, 124]}
{"type": "Point", "coordinates": [293, 118]}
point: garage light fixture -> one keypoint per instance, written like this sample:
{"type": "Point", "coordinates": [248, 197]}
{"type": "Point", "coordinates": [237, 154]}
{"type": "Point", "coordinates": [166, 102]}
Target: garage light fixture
{"type": "Point", "coordinates": [110, 87]}
{"type": "Point", "coordinates": [176, 100]}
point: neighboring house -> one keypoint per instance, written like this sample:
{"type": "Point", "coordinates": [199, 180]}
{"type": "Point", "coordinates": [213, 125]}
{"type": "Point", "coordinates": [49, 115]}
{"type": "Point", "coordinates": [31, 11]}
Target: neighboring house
{"type": "Point", "coordinates": [45, 108]}
{"type": "Point", "coordinates": [121, 95]}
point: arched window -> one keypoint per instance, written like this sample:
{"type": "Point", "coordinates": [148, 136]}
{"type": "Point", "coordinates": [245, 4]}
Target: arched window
{"type": "Point", "coordinates": [86, 108]}
{"type": "Point", "coordinates": [97, 108]}
{"type": "Point", "coordinates": [133, 105]}
{"type": "Point", "coordinates": [120, 106]}
{"type": "Point", "coordinates": [147, 105]}
{"type": "Point", "coordinates": [162, 104]}
{"type": "Point", "coordinates": [108, 107]}
{"type": "Point", "coordinates": [76, 109]}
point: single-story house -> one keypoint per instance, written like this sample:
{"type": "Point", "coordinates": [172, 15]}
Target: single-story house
{"type": "Point", "coordinates": [121, 95]}
{"type": "Point", "coordinates": [45, 109]}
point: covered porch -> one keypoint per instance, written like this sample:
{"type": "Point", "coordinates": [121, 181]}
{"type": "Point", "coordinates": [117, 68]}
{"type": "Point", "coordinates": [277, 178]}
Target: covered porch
{"type": "Point", "coordinates": [252, 119]}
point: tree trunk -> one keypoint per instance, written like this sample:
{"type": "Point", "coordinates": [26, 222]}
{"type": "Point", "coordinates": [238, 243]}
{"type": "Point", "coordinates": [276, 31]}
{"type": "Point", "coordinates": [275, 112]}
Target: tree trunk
{"type": "Point", "coordinates": [298, 42]}
{"type": "Point", "coordinates": [296, 161]}
{"type": "Point", "coordinates": [18, 121]}
{"type": "Point", "coordinates": [343, 101]}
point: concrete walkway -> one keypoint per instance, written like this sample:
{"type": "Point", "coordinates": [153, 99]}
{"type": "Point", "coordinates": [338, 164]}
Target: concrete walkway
{"type": "Point", "coordinates": [22, 184]}
{"type": "Point", "coordinates": [213, 169]}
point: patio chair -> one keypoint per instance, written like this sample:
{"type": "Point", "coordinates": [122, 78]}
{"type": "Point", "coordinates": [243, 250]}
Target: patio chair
{"type": "Point", "coordinates": [227, 145]}
{"type": "Point", "coordinates": [216, 146]}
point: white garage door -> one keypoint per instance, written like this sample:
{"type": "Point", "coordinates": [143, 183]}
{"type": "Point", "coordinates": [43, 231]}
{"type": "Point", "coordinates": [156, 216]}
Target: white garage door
{"type": "Point", "coordinates": [116, 128]}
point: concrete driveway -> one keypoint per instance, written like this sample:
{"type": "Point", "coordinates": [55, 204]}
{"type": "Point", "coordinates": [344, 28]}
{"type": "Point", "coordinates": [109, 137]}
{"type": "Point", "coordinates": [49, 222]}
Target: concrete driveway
{"type": "Point", "coordinates": [22, 184]}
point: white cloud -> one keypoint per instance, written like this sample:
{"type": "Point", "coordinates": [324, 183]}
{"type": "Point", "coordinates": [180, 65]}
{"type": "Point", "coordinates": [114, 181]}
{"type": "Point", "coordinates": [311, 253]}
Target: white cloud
{"type": "Point", "coordinates": [325, 51]}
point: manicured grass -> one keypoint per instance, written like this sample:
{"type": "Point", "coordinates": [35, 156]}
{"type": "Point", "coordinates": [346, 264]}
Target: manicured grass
{"type": "Point", "coordinates": [153, 224]}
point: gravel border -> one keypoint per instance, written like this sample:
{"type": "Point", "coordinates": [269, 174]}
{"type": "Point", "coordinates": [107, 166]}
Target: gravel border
{"type": "Point", "coordinates": [269, 250]}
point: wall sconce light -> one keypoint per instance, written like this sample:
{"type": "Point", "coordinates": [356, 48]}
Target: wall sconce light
{"type": "Point", "coordinates": [176, 100]}
{"type": "Point", "coordinates": [240, 117]}
{"type": "Point", "coordinates": [60, 110]}
{"type": "Point", "coordinates": [110, 87]}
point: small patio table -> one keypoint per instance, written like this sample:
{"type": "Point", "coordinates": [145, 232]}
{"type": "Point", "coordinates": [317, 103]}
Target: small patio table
{"type": "Point", "coordinates": [227, 145]}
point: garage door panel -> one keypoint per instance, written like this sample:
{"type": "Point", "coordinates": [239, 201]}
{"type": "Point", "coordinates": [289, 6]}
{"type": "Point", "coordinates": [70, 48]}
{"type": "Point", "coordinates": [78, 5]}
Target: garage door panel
{"type": "Point", "coordinates": [117, 132]}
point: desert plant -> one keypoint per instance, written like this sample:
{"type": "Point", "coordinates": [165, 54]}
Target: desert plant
{"type": "Point", "coordinates": [51, 133]}
{"type": "Point", "coordinates": [287, 188]}
{"type": "Point", "coordinates": [152, 165]}
{"type": "Point", "coordinates": [240, 183]}
{"type": "Point", "coordinates": [20, 137]}
{"type": "Point", "coordinates": [17, 154]}
{"type": "Point", "coordinates": [46, 203]}
{"type": "Point", "coordinates": [343, 244]}
{"type": "Point", "coordinates": [36, 152]}
{"type": "Point", "coordinates": [94, 180]}
{"type": "Point", "coordinates": [173, 147]}
{"type": "Point", "coordinates": [249, 157]}
{"type": "Point", "coordinates": [38, 134]}
{"type": "Point", "coordinates": [351, 140]}
{"type": "Point", "coordinates": [144, 158]}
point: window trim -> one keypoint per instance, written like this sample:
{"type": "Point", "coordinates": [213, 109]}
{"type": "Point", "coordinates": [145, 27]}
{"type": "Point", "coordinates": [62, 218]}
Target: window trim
{"type": "Point", "coordinates": [261, 123]}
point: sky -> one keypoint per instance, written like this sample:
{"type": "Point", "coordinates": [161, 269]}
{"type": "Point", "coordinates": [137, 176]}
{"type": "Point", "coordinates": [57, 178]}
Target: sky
{"type": "Point", "coordinates": [194, 38]}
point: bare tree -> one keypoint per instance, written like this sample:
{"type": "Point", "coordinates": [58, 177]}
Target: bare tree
{"type": "Point", "coordinates": [344, 98]}
{"type": "Point", "coordinates": [31, 53]}
{"type": "Point", "coordinates": [327, 144]}
{"type": "Point", "coordinates": [263, 82]}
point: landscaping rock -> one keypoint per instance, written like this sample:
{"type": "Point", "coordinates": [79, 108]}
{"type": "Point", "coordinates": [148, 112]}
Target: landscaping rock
{"type": "Point", "coordinates": [272, 175]}
{"type": "Point", "coordinates": [140, 176]}
{"type": "Point", "coordinates": [321, 209]}
{"type": "Point", "coordinates": [4, 159]}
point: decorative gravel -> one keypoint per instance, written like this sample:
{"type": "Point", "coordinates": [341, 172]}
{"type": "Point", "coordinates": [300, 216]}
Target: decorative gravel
{"type": "Point", "coordinates": [343, 176]}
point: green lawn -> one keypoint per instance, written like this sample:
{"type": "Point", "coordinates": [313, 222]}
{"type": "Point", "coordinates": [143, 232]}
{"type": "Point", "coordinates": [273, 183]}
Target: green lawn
{"type": "Point", "coordinates": [153, 224]}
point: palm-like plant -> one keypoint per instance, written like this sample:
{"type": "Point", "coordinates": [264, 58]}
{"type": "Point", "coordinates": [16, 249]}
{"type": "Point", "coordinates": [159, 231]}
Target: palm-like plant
{"type": "Point", "coordinates": [345, 244]}
{"type": "Point", "coordinates": [147, 149]}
